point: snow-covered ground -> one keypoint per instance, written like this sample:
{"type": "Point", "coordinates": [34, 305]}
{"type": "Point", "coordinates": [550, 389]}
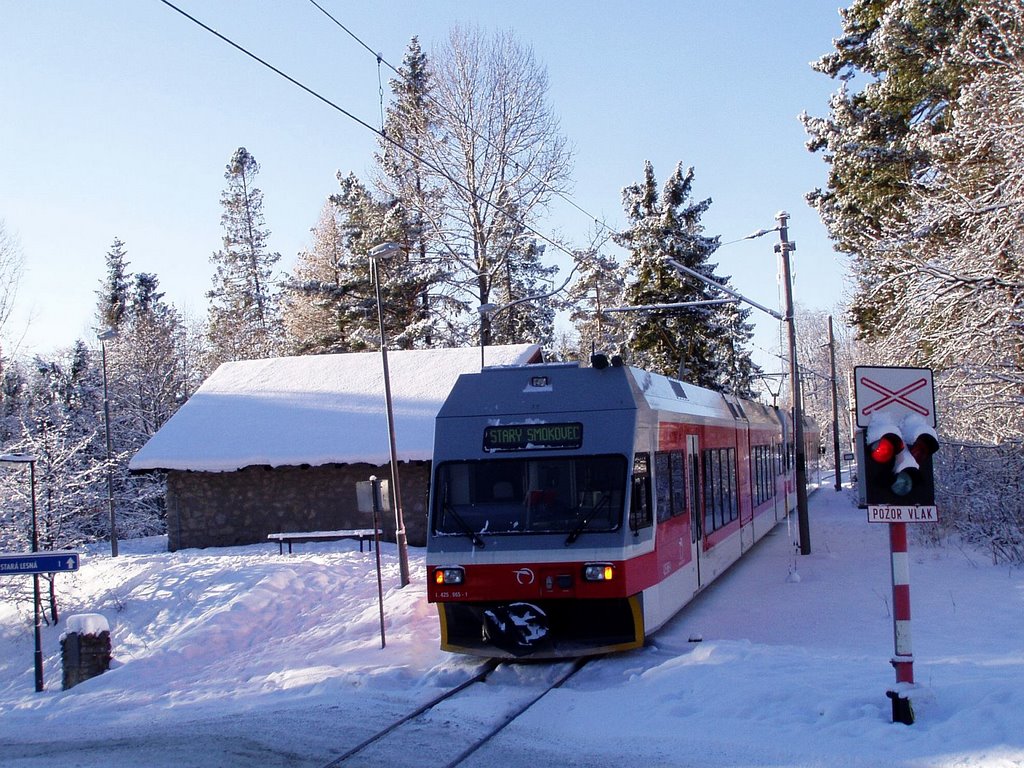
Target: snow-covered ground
{"type": "Point", "coordinates": [243, 656]}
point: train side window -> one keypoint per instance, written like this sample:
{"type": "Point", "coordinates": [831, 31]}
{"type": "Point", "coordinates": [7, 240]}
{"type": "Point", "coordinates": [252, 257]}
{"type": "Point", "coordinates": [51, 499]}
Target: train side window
{"type": "Point", "coordinates": [721, 494]}
{"type": "Point", "coordinates": [669, 484]}
{"type": "Point", "coordinates": [710, 490]}
{"type": "Point", "coordinates": [729, 481]}
{"type": "Point", "coordinates": [678, 473]}
{"type": "Point", "coordinates": [756, 487]}
{"type": "Point", "coordinates": [640, 497]}
{"type": "Point", "coordinates": [764, 487]}
{"type": "Point", "coordinates": [768, 472]}
{"type": "Point", "coordinates": [662, 486]}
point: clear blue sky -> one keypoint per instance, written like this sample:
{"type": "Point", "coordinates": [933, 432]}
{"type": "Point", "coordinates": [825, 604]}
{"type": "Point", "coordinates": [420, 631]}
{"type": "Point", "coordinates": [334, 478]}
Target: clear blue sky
{"type": "Point", "coordinates": [119, 117]}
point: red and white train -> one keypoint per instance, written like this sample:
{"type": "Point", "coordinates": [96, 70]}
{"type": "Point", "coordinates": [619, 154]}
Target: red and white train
{"type": "Point", "coordinates": [575, 510]}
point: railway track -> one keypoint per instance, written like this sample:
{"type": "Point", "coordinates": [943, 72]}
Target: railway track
{"type": "Point", "coordinates": [445, 731]}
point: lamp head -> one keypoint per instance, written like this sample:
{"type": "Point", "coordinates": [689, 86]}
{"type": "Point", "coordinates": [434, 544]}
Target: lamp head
{"type": "Point", "coordinates": [385, 251]}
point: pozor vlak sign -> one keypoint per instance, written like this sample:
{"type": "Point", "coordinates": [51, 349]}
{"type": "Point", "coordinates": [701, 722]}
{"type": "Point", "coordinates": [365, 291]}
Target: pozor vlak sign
{"type": "Point", "coordinates": [896, 413]}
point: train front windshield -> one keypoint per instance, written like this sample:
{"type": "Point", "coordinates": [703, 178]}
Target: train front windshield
{"type": "Point", "coordinates": [570, 495]}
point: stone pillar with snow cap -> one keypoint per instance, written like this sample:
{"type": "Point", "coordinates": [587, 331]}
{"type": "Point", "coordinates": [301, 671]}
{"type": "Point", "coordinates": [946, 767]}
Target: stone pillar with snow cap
{"type": "Point", "coordinates": [85, 648]}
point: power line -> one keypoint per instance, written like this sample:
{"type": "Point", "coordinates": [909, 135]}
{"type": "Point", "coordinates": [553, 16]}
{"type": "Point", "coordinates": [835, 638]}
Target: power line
{"type": "Point", "coordinates": [380, 59]}
{"type": "Point", "coordinates": [354, 36]}
{"type": "Point", "coordinates": [381, 134]}
{"type": "Point", "coordinates": [272, 68]}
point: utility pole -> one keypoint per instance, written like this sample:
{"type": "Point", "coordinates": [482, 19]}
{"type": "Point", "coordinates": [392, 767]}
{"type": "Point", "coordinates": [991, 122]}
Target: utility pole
{"type": "Point", "coordinates": [784, 248]}
{"type": "Point", "coordinates": [835, 407]}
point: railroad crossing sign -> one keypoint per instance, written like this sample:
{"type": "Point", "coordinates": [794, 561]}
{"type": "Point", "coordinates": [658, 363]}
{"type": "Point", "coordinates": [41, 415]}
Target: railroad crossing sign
{"type": "Point", "coordinates": [897, 391]}
{"type": "Point", "coordinates": [38, 562]}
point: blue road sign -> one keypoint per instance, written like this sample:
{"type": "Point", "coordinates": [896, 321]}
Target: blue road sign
{"type": "Point", "coordinates": [38, 562]}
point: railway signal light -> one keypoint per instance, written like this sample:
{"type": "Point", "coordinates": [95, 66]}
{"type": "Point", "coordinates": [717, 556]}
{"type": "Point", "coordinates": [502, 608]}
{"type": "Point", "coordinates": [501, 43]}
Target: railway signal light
{"type": "Point", "coordinates": [884, 444]}
{"type": "Point", "coordinates": [899, 466]}
{"type": "Point", "coordinates": [921, 442]}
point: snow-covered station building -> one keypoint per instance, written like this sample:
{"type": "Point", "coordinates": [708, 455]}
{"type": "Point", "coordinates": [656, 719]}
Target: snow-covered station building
{"type": "Point", "coordinates": [274, 445]}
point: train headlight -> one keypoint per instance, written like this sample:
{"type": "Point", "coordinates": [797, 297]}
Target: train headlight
{"type": "Point", "coordinates": [598, 572]}
{"type": "Point", "coordinates": [449, 575]}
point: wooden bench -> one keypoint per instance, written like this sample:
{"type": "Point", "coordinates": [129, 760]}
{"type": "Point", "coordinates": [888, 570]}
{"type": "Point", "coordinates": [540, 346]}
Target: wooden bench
{"type": "Point", "coordinates": [300, 537]}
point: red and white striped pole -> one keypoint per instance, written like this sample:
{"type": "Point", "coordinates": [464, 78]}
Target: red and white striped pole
{"type": "Point", "coordinates": [903, 659]}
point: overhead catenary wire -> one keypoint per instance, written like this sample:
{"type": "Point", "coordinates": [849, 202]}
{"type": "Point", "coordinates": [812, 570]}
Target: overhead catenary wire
{"type": "Point", "coordinates": [601, 224]}
{"type": "Point", "coordinates": [379, 133]}
{"type": "Point", "coordinates": [383, 135]}
{"type": "Point", "coordinates": [380, 59]}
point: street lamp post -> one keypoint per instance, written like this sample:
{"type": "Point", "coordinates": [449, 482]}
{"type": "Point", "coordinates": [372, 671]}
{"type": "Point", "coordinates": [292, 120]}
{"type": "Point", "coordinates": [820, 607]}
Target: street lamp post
{"type": "Point", "coordinates": [104, 336]}
{"type": "Point", "coordinates": [383, 252]}
{"type": "Point", "coordinates": [489, 310]}
{"type": "Point", "coordinates": [21, 458]}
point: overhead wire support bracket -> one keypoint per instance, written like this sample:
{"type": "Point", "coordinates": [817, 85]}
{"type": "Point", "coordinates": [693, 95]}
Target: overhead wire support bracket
{"type": "Point", "coordinates": [720, 287]}
{"type": "Point", "coordinates": [677, 305]}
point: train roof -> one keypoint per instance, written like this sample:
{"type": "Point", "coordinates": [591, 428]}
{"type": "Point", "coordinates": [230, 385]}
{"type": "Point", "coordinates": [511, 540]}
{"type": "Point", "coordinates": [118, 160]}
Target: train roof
{"type": "Point", "coordinates": [546, 388]}
{"type": "Point", "coordinates": [557, 387]}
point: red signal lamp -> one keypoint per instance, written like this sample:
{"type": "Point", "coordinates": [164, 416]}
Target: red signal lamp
{"type": "Point", "coordinates": [886, 448]}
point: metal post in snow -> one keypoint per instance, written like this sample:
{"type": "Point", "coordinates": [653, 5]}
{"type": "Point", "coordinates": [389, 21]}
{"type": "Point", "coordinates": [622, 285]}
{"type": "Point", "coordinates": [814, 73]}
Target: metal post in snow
{"type": "Point", "coordinates": [903, 658]}
{"type": "Point", "coordinates": [375, 488]}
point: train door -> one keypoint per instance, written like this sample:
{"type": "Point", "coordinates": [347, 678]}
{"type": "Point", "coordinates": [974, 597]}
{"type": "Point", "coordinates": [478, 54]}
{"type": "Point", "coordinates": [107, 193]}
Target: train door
{"type": "Point", "coordinates": [694, 502]}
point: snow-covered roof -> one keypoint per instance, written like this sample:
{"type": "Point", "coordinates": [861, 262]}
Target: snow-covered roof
{"type": "Point", "coordinates": [315, 410]}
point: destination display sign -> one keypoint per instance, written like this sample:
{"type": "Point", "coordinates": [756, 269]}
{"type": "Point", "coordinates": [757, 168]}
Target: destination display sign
{"type": "Point", "coordinates": [533, 437]}
{"type": "Point", "coordinates": [38, 562]}
{"type": "Point", "coordinates": [886, 513]}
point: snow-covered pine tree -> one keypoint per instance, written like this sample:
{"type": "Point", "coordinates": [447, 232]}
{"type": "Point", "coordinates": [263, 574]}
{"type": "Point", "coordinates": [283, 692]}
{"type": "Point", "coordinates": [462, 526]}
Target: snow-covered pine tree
{"type": "Point", "coordinates": [145, 362]}
{"type": "Point", "coordinates": [315, 298]}
{"type": "Point", "coordinates": [147, 384]}
{"type": "Point", "coordinates": [404, 176]}
{"type": "Point", "coordinates": [407, 129]}
{"type": "Point", "coordinates": [113, 293]}
{"type": "Point", "coordinates": [600, 285]}
{"type": "Point", "coordinates": [244, 318]}
{"type": "Point", "coordinates": [925, 192]}
{"type": "Point", "coordinates": [146, 377]}
{"type": "Point", "coordinates": [331, 304]}
{"type": "Point", "coordinates": [703, 344]}
{"type": "Point", "coordinates": [737, 372]}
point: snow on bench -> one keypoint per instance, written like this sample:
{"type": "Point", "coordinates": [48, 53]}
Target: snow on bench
{"type": "Point", "coordinates": [299, 537]}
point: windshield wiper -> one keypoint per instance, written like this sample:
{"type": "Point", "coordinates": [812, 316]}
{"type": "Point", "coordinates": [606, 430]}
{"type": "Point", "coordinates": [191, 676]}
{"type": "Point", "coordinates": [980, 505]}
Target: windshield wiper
{"type": "Point", "coordinates": [585, 520]}
{"type": "Point", "coordinates": [469, 532]}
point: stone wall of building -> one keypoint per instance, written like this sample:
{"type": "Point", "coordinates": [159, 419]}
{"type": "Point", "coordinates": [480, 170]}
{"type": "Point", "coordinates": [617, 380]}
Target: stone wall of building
{"type": "Point", "coordinates": [222, 509]}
